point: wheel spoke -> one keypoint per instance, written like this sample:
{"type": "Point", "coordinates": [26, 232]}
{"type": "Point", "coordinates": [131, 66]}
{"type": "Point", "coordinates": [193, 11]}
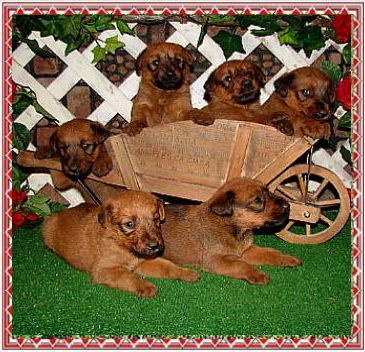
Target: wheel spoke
{"type": "Point", "coordinates": [288, 225]}
{"type": "Point", "coordinates": [307, 229]}
{"type": "Point", "coordinates": [302, 185]}
{"type": "Point", "coordinates": [328, 203]}
{"type": "Point", "coordinates": [320, 189]}
{"type": "Point", "coordinates": [326, 220]}
{"type": "Point", "coordinates": [287, 193]}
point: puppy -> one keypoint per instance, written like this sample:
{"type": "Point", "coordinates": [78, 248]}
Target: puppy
{"type": "Point", "coordinates": [80, 145]}
{"type": "Point", "coordinates": [163, 94]}
{"type": "Point", "coordinates": [231, 90]}
{"type": "Point", "coordinates": [217, 234]}
{"type": "Point", "coordinates": [300, 105]}
{"type": "Point", "coordinates": [304, 98]}
{"type": "Point", "coordinates": [115, 242]}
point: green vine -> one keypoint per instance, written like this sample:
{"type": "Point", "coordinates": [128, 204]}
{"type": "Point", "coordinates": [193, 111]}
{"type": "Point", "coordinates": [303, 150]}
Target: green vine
{"type": "Point", "coordinates": [75, 31]}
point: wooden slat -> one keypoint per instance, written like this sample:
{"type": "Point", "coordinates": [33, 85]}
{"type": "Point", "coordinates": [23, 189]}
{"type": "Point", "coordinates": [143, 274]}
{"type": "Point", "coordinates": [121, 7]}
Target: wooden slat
{"type": "Point", "coordinates": [175, 188]}
{"type": "Point", "coordinates": [123, 162]}
{"type": "Point", "coordinates": [281, 162]}
{"type": "Point", "coordinates": [237, 158]}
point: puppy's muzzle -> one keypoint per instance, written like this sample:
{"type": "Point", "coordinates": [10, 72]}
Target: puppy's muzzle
{"type": "Point", "coordinates": [280, 217]}
{"type": "Point", "coordinates": [169, 81]}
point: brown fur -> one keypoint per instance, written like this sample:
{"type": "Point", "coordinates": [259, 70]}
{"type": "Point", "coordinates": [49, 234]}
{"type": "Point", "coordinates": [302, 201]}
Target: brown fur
{"type": "Point", "coordinates": [80, 145]}
{"type": "Point", "coordinates": [288, 109]}
{"type": "Point", "coordinates": [115, 242]}
{"type": "Point", "coordinates": [161, 99]}
{"type": "Point", "coordinates": [217, 234]}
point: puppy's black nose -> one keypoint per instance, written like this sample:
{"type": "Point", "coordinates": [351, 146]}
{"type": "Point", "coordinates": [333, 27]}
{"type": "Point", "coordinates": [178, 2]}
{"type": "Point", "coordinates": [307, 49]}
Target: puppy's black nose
{"type": "Point", "coordinates": [286, 206]}
{"type": "Point", "coordinates": [321, 114]}
{"type": "Point", "coordinates": [247, 84]}
{"type": "Point", "coordinates": [153, 246]}
{"type": "Point", "coordinates": [73, 168]}
{"type": "Point", "coordinates": [170, 74]}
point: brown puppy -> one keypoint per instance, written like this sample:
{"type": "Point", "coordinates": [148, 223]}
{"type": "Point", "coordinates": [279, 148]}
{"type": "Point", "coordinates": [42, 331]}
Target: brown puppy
{"type": "Point", "coordinates": [163, 94]}
{"type": "Point", "coordinates": [231, 90]}
{"type": "Point", "coordinates": [115, 242]}
{"type": "Point", "coordinates": [217, 234]}
{"type": "Point", "coordinates": [304, 97]}
{"type": "Point", "coordinates": [300, 105]}
{"type": "Point", "coordinates": [80, 145]}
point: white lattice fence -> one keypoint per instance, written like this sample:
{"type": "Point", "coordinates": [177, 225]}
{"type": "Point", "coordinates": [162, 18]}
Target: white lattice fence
{"type": "Point", "coordinates": [118, 100]}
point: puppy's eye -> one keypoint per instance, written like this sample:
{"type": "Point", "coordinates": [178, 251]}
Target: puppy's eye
{"type": "Point", "coordinates": [306, 92]}
{"type": "Point", "coordinates": [258, 200]}
{"type": "Point", "coordinates": [227, 79]}
{"type": "Point", "coordinates": [156, 62]}
{"type": "Point", "coordinates": [88, 147]}
{"type": "Point", "coordinates": [130, 225]}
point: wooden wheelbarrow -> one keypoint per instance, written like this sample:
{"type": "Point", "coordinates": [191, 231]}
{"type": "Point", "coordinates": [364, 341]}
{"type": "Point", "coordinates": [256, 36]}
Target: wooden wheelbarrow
{"type": "Point", "coordinates": [190, 161]}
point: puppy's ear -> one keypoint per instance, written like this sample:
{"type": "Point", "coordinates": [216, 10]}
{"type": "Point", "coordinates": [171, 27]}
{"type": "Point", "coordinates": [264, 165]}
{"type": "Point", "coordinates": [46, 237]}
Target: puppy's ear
{"type": "Point", "coordinates": [161, 209]}
{"type": "Point", "coordinates": [189, 59]}
{"type": "Point", "coordinates": [101, 132]}
{"type": "Point", "coordinates": [49, 151]}
{"type": "Point", "coordinates": [283, 84]}
{"type": "Point", "coordinates": [260, 76]}
{"type": "Point", "coordinates": [104, 214]}
{"type": "Point", "coordinates": [139, 62]}
{"type": "Point", "coordinates": [208, 85]}
{"type": "Point", "coordinates": [222, 204]}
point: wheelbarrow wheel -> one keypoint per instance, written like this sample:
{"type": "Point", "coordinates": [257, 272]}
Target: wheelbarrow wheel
{"type": "Point", "coordinates": [319, 210]}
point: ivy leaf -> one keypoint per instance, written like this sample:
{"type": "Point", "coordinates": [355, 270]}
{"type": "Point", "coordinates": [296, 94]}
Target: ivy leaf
{"type": "Point", "coordinates": [229, 43]}
{"type": "Point", "coordinates": [346, 154]}
{"type": "Point", "coordinates": [219, 19]}
{"type": "Point", "coordinates": [21, 136]}
{"type": "Point", "coordinates": [346, 53]}
{"type": "Point", "coordinates": [38, 204]}
{"type": "Point", "coordinates": [99, 54]}
{"type": "Point", "coordinates": [112, 44]}
{"type": "Point", "coordinates": [203, 31]}
{"type": "Point", "coordinates": [124, 28]}
{"type": "Point", "coordinates": [289, 36]}
{"type": "Point", "coordinates": [67, 25]}
{"type": "Point", "coordinates": [33, 45]}
{"type": "Point", "coordinates": [345, 121]}
{"type": "Point", "coordinates": [18, 176]}
{"type": "Point", "coordinates": [43, 112]}
{"type": "Point", "coordinates": [37, 199]}
{"type": "Point", "coordinates": [103, 22]}
{"type": "Point", "coordinates": [56, 207]}
{"type": "Point", "coordinates": [332, 70]}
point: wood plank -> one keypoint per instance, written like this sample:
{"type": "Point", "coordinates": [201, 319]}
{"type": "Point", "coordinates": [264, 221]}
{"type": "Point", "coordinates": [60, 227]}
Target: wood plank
{"type": "Point", "coordinates": [237, 158]}
{"type": "Point", "coordinates": [282, 161]}
{"type": "Point", "coordinates": [123, 162]}
{"type": "Point", "coordinates": [175, 188]}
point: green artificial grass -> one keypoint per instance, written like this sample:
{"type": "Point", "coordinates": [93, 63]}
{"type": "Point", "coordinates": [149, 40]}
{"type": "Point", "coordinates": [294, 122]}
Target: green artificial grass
{"type": "Point", "coordinates": [52, 299]}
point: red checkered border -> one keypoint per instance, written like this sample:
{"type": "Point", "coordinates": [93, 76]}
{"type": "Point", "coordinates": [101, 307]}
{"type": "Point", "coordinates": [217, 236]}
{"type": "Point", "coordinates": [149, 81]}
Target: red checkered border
{"type": "Point", "coordinates": [355, 341]}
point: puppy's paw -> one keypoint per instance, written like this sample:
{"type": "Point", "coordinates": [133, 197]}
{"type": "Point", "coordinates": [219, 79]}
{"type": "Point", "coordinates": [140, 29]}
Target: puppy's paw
{"type": "Point", "coordinates": [134, 127]}
{"type": "Point", "coordinates": [257, 277]}
{"type": "Point", "coordinates": [201, 117]}
{"type": "Point", "coordinates": [289, 261]}
{"type": "Point", "coordinates": [190, 276]}
{"type": "Point", "coordinates": [316, 130]}
{"type": "Point", "coordinates": [102, 166]}
{"type": "Point", "coordinates": [284, 126]}
{"type": "Point", "coordinates": [146, 290]}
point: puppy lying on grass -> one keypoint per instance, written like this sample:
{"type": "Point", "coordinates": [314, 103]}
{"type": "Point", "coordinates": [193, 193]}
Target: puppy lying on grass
{"type": "Point", "coordinates": [217, 234]}
{"type": "Point", "coordinates": [115, 242]}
